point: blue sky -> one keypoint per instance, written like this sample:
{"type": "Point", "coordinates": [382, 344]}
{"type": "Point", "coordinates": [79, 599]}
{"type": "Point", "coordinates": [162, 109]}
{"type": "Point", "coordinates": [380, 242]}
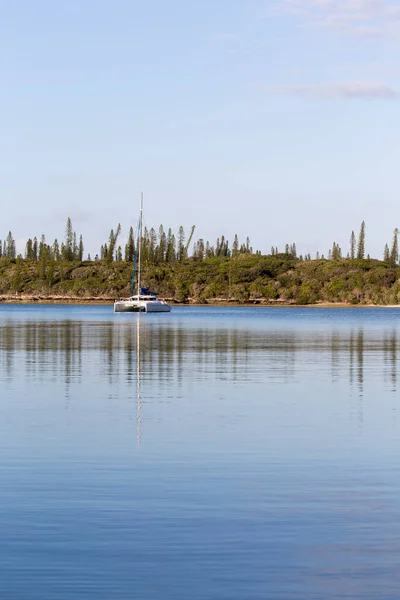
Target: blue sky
{"type": "Point", "coordinates": [273, 119]}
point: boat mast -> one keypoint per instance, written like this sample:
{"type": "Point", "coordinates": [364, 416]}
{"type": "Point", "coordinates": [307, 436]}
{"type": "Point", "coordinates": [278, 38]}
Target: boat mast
{"type": "Point", "coordinates": [140, 238]}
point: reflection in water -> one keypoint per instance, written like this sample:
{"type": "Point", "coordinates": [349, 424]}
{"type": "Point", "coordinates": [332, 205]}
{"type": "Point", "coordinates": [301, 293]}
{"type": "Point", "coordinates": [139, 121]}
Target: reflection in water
{"type": "Point", "coordinates": [390, 345]}
{"type": "Point", "coordinates": [268, 463]}
{"type": "Point", "coordinates": [63, 347]}
{"type": "Point", "coordinates": [130, 354]}
{"type": "Point", "coordinates": [360, 360]}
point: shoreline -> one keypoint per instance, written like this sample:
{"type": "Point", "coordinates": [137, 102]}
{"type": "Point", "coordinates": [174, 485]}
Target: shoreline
{"type": "Point", "coordinates": [69, 300]}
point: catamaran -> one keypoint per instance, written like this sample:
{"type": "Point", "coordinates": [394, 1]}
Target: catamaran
{"type": "Point", "coordinates": [144, 300]}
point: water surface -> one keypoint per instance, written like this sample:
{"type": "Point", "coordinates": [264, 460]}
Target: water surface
{"type": "Point", "coordinates": [222, 453]}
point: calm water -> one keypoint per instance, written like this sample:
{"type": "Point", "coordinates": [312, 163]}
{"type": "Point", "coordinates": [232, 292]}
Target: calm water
{"type": "Point", "coordinates": [212, 453]}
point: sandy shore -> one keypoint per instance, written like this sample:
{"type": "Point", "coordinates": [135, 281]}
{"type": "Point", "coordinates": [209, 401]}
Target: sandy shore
{"type": "Point", "coordinates": [27, 299]}
{"type": "Point", "coordinates": [13, 299]}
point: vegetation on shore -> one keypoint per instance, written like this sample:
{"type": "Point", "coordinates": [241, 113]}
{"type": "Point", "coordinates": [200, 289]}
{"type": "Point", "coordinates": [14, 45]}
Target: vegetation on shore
{"type": "Point", "coordinates": [210, 274]}
{"type": "Point", "coordinates": [244, 278]}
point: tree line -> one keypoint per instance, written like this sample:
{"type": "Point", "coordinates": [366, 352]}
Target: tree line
{"type": "Point", "coordinates": [164, 246]}
{"type": "Point", "coordinates": [357, 248]}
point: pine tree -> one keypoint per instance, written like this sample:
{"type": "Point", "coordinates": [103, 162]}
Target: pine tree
{"type": "Point", "coordinates": [69, 241]}
{"type": "Point", "coordinates": [130, 247]}
{"type": "Point", "coordinates": [35, 248]}
{"type": "Point", "coordinates": [29, 249]}
{"type": "Point", "coordinates": [361, 242]}
{"type": "Point", "coordinates": [181, 243]}
{"type": "Point", "coordinates": [336, 252]}
{"type": "Point", "coordinates": [112, 240]}
{"type": "Point", "coordinates": [394, 252]}
{"type": "Point", "coordinates": [222, 247]}
{"type": "Point", "coordinates": [200, 249]}
{"type": "Point", "coordinates": [56, 250]}
{"type": "Point", "coordinates": [75, 250]}
{"type": "Point", "coordinates": [235, 245]}
{"type": "Point", "coordinates": [353, 245]}
{"type": "Point", "coordinates": [80, 249]}
{"type": "Point", "coordinates": [225, 247]}
{"type": "Point", "coordinates": [152, 245]}
{"type": "Point", "coordinates": [42, 258]}
{"type": "Point", "coordinates": [10, 246]}
{"type": "Point", "coordinates": [162, 245]}
{"type": "Point", "coordinates": [386, 254]}
{"type": "Point", "coordinates": [42, 246]}
{"type": "Point", "coordinates": [171, 247]}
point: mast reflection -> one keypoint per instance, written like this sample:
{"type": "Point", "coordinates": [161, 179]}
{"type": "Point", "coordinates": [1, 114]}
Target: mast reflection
{"type": "Point", "coordinates": [138, 404]}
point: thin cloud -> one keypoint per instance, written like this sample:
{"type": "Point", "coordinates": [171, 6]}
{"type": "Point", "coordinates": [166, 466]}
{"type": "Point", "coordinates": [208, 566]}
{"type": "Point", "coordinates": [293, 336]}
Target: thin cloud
{"type": "Point", "coordinates": [341, 91]}
{"type": "Point", "coordinates": [364, 18]}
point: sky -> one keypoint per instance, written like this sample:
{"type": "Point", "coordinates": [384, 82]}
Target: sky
{"type": "Point", "coordinates": [273, 119]}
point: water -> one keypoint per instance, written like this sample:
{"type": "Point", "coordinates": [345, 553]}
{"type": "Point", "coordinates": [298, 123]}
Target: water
{"type": "Point", "coordinates": [211, 453]}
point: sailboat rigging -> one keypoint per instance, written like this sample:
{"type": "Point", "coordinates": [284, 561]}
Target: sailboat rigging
{"type": "Point", "coordinates": [144, 300]}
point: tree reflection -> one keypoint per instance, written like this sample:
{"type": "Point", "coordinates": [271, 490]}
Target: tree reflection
{"type": "Point", "coordinates": [131, 354]}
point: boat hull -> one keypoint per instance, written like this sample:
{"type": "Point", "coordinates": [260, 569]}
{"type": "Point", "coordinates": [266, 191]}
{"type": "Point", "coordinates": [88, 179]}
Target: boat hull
{"type": "Point", "coordinates": [154, 306]}
{"type": "Point", "coordinates": [127, 307]}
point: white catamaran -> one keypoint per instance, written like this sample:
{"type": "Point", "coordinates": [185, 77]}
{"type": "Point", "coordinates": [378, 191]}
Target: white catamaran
{"type": "Point", "coordinates": [144, 300]}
